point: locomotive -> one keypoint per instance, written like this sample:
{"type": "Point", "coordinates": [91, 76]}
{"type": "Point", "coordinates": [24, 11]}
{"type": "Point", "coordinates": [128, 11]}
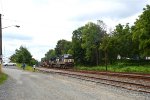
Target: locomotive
{"type": "Point", "coordinates": [64, 61]}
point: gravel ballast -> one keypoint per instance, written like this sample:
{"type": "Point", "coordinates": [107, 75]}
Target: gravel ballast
{"type": "Point", "coordinates": [23, 85]}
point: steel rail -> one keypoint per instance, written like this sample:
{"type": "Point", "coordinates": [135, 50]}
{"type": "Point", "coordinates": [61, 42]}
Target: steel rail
{"type": "Point", "coordinates": [122, 84]}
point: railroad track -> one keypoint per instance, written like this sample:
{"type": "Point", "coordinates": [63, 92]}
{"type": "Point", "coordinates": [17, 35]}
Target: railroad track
{"type": "Point", "coordinates": [129, 75]}
{"type": "Point", "coordinates": [117, 83]}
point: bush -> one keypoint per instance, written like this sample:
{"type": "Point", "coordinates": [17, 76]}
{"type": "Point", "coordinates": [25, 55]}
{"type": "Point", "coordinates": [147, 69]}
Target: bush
{"type": "Point", "coordinates": [118, 68]}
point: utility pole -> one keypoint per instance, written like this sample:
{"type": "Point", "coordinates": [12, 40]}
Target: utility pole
{"type": "Point", "coordinates": [1, 56]}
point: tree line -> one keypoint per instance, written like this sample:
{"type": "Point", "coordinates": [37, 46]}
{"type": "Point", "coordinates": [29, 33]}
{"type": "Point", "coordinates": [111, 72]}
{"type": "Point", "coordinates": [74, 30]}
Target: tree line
{"type": "Point", "coordinates": [22, 55]}
{"type": "Point", "coordinates": [92, 45]}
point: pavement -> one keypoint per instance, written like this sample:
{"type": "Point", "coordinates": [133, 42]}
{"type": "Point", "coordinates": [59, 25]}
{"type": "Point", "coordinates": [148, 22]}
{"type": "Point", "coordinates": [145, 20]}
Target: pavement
{"type": "Point", "coordinates": [24, 85]}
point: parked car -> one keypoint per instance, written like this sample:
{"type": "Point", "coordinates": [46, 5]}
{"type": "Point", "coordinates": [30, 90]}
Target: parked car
{"type": "Point", "coordinates": [9, 64]}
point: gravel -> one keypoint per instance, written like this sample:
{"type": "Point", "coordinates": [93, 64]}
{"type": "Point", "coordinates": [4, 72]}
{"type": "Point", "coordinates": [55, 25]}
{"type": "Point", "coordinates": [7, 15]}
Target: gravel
{"type": "Point", "coordinates": [23, 85]}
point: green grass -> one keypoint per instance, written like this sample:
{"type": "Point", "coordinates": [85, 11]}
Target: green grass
{"type": "Point", "coordinates": [28, 68]}
{"type": "Point", "coordinates": [116, 68]}
{"type": "Point", "coordinates": [111, 68]}
{"type": "Point", "coordinates": [3, 77]}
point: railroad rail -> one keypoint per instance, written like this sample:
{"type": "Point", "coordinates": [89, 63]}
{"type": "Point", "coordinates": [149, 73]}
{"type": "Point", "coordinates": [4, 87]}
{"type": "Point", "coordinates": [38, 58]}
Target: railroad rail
{"type": "Point", "coordinates": [119, 74]}
{"type": "Point", "coordinates": [135, 82]}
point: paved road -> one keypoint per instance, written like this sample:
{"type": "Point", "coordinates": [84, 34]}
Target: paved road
{"type": "Point", "coordinates": [23, 85]}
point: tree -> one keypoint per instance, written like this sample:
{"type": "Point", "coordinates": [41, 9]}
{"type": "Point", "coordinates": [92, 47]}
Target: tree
{"type": "Point", "coordinates": [62, 47]}
{"type": "Point", "coordinates": [92, 35]}
{"type": "Point", "coordinates": [22, 55]}
{"type": "Point", "coordinates": [123, 38]}
{"type": "Point", "coordinates": [77, 50]}
{"type": "Point", "coordinates": [105, 47]}
{"type": "Point", "coordinates": [119, 43]}
{"type": "Point", "coordinates": [109, 47]}
{"type": "Point", "coordinates": [50, 54]}
{"type": "Point", "coordinates": [33, 62]}
{"type": "Point", "coordinates": [142, 31]}
{"type": "Point", "coordinates": [86, 42]}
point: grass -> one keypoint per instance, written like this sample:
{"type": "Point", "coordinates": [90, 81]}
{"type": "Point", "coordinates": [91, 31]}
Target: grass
{"type": "Point", "coordinates": [116, 68]}
{"type": "Point", "coordinates": [3, 77]}
{"type": "Point", "coordinates": [28, 68]}
{"type": "Point", "coordinates": [110, 68]}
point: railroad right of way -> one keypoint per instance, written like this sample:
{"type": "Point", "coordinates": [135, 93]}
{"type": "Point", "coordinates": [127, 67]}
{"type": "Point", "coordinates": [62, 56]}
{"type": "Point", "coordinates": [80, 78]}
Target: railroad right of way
{"type": "Point", "coordinates": [134, 82]}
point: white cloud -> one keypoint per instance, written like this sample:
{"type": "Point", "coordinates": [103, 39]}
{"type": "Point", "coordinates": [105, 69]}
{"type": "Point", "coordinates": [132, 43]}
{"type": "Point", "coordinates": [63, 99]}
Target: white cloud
{"type": "Point", "coordinates": [44, 22]}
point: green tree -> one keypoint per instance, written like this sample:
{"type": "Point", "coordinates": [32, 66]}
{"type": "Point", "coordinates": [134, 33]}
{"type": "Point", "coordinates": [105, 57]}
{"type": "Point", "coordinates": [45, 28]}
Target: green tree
{"type": "Point", "coordinates": [123, 37]}
{"type": "Point", "coordinates": [33, 62]}
{"type": "Point", "coordinates": [50, 54]}
{"type": "Point", "coordinates": [142, 31]}
{"type": "Point", "coordinates": [77, 50]}
{"type": "Point", "coordinates": [62, 47]}
{"type": "Point", "coordinates": [22, 55]}
{"type": "Point", "coordinates": [86, 42]}
{"type": "Point", "coordinates": [109, 48]}
{"type": "Point", "coordinates": [92, 35]}
{"type": "Point", "coordinates": [105, 46]}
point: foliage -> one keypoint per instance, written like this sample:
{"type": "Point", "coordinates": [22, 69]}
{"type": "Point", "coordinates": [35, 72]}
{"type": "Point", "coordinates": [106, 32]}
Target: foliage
{"type": "Point", "coordinates": [3, 77]}
{"type": "Point", "coordinates": [92, 45]}
{"type": "Point", "coordinates": [86, 42]}
{"type": "Point", "coordinates": [91, 38]}
{"type": "Point", "coordinates": [28, 68]}
{"type": "Point", "coordinates": [116, 68]}
{"type": "Point", "coordinates": [50, 54]}
{"type": "Point", "coordinates": [62, 47]}
{"type": "Point", "coordinates": [123, 40]}
{"type": "Point", "coordinates": [22, 55]}
{"type": "Point", "coordinates": [77, 50]}
{"type": "Point", "coordinates": [142, 31]}
{"type": "Point", "coordinates": [33, 62]}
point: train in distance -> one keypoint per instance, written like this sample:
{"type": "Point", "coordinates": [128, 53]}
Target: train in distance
{"type": "Point", "coordinates": [64, 61]}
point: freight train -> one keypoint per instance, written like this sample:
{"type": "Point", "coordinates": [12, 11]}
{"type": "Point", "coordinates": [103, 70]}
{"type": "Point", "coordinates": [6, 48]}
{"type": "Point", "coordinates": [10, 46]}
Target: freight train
{"type": "Point", "coordinates": [64, 61]}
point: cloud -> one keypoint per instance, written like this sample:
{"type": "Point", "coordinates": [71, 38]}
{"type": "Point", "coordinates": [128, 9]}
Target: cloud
{"type": "Point", "coordinates": [114, 9]}
{"type": "Point", "coordinates": [44, 22]}
{"type": "Point", "coordinates": [40, 2]}
{"type": "Point", "coordinates": [13, 36]}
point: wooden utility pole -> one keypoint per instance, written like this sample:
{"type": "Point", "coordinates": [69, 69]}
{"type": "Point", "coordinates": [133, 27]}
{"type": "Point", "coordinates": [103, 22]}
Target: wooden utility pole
{"type": "Point", "coordinates": [1, 57]}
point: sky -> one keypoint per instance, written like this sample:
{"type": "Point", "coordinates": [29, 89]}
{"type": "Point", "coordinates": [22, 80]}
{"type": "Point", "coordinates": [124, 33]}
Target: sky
{"type": "Point", "coordinates": [44, 22]}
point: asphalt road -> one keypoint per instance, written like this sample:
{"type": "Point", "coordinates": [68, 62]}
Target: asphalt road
{"type": "Point", "coordinates": [24, 85]}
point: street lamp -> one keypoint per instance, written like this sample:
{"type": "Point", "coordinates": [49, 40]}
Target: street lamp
{"type": "Point", "coordinates": [1, 57]}
{"type": "Point", "coordinates": [11, 26]}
